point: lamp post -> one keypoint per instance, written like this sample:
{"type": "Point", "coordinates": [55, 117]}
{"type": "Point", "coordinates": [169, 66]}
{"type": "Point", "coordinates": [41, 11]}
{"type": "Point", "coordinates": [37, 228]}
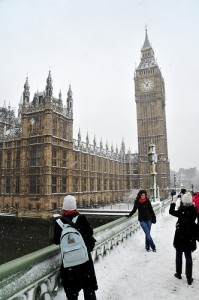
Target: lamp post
{"type": "Point", "coordinates": [175, 182]}
{"type": "Point", "coordinates": [152, 158]}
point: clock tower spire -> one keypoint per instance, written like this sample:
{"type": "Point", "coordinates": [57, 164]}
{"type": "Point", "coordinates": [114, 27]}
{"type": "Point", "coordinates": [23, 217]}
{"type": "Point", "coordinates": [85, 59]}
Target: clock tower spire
{"type": "Point", "coordinates": [146, 46]}
{"type": "Point", "coordinates": [151, 118]}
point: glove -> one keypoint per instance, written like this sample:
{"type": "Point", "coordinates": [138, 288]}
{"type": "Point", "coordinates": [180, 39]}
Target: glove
{"type": "Point", "coordinates": [175, 198]}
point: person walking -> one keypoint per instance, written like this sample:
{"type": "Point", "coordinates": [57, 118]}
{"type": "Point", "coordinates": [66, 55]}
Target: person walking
{"type": "Point", "coordinates": [184, 238]}
{"type": "Point", "coordinates": [195, 199]}
{"type": "Point", "coordinates": [81, 276]}
{"type": "Point", "coordinates": [146, 217]}
{"type": "Point", "coordinates": [173, 193]}
{"type": "Point", "coordinates": [183, 191]}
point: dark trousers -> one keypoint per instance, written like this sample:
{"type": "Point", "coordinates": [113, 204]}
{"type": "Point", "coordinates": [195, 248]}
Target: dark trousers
{"type": "Point", "coordinates": [88, 295]}
{"type": "Point", "coordinates": [188, 265]}
{"type": "Point", "coordinates": [197, 218]}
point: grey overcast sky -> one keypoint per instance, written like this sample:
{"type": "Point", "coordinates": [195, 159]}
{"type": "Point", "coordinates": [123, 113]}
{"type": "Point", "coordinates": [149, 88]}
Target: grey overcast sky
{"type": "Point", "coordinates": [94, 45]}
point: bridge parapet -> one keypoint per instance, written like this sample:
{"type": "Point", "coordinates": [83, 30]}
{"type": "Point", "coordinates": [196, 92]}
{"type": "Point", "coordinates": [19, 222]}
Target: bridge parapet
{"type": "Point", "coordinates": [36, 276]}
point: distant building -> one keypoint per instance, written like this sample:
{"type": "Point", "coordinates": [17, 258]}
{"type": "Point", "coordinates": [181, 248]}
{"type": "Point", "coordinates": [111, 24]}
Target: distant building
{"type": "Point", "coordinates": [40, 162]}
{"type": "Point", "coordinates": [187, 178]}
{"type": "Point", "coordinates": [151, 119]}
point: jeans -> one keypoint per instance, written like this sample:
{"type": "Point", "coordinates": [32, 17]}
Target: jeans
{"type": "Point", "coordinates": [146, 226]}
{"type": "Point", "coordinates": [189, 262]}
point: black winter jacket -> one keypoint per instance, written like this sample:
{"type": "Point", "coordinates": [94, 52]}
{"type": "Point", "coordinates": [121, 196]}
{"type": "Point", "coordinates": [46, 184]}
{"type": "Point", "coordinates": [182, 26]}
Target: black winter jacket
{"type": "Point", "coordinates": [145, 210]}
{"type": "Point", "coordinates": [81, 276]}
{"type": "Point", "coordinates": [185, 235]}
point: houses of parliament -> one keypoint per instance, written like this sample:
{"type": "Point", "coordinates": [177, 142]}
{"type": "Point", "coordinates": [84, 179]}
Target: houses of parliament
{"type": "Point", "coordinates": [40, 161]}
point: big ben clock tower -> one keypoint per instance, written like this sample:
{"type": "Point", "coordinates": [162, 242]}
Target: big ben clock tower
{"type": "Point", "coordinates": [151, 119]}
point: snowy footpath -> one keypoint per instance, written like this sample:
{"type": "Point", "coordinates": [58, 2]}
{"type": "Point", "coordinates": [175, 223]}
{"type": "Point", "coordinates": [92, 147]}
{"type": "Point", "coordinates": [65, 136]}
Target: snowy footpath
{"type": "Point", "coordinates": [131, 273]}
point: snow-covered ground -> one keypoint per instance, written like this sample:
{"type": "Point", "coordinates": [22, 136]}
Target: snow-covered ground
{"type": "Point", "coordinates": [131, 273]}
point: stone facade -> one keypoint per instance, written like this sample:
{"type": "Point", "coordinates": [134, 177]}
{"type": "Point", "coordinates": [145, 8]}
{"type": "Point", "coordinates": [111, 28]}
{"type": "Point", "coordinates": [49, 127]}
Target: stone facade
{"type": "Point", "coordinates": [151, 119]}
{"type": "Point", "coordinates": [41, 162]}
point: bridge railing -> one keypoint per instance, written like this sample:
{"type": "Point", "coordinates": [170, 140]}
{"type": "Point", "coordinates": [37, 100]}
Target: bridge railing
{"type": "Point", "coordinates": [36, 276]}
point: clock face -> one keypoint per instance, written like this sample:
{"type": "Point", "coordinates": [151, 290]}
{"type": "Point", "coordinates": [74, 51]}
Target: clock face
{"type": "Point", "coordinates": [146, 85]}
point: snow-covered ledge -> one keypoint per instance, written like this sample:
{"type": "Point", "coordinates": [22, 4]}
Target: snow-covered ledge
{"type": "Point", "coordinates": [36, 276]}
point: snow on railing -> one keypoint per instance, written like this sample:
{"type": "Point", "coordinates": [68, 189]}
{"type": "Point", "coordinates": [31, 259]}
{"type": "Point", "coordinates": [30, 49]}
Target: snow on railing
{"type": "Point", "coordinates": [36, 276]}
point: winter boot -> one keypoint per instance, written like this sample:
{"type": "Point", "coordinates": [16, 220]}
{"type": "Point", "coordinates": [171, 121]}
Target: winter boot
{"type": "Point", "coordinates": [189, 280]}
{"type": "Point", "coordinates": [178, 276]}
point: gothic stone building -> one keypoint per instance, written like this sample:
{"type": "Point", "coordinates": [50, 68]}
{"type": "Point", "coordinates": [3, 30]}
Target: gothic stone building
{"type": "Point", "coordinates": [40, 162]}
{"type": "Point", "coordinates": [151, 119]}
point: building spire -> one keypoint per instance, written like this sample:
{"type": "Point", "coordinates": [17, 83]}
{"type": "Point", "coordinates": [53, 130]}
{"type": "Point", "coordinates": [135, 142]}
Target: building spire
{"type": "Point", "coordinates": [147, 54]}
{"type": "Point", "coordinates": [107, 147]}
{"type": "Point", "coordinates": [60, 103]}
{"type": "Point", "coordinates": [146, 44]}
{"type": "Point", "coordinates": [79, 138]}
{"type": "Point", "coordinates": [123, 148]}
{"type": "Point", "coordinates": [26, 92]}
{"type": "Point", "coordinates": [101, 144]}
{"type": "Point", "coordinates": [94, 142]}
{"type": "Point", "coordinates": [69, 103]}
{"type": "Point", "coordinates": [49, 87]}
{"type": "Point", "coordinates": [87, 140]}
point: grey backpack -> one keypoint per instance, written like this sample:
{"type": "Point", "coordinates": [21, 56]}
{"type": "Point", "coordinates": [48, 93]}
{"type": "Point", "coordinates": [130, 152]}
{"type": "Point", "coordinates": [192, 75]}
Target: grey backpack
{"type": "Point", "coordinates": [73, 249]}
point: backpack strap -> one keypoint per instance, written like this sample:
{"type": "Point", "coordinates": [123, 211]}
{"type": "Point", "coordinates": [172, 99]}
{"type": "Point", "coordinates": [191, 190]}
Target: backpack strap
{"type": "Point", "coordinates": [61, 224]}
{"type": "Point", "coordinates": [75, 219]}
{"type": "Point", "coordinates": [71, 223]}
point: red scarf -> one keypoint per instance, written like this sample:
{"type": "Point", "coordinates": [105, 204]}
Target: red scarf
{"type": "Point", "coordinates": [142, 200]}
{"type": "Point", "coordinates": [70, 212]}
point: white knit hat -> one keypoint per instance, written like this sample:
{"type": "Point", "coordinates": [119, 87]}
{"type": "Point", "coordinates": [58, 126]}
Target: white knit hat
{"type": "Point", "coordinates": [187, 199]}
{"type": "Point", "coordinates": [175, 198]}
{"type": "Point", "coordinates": [69, 203]}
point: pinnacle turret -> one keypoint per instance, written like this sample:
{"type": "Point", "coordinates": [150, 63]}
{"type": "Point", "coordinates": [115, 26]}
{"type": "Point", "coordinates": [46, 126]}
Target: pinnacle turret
{"type": "Point", "coordinates": [94, 141]}
{"type": "Point", "coordinates": [79, 137]}
{"type": "Point", "coordinates": [101, 144]}
{"type": "Point", "coordinates": [60, 102]}
{"type": "Point", "coordinates": [87, 140]}
{"type": "Point", "coordinates": [26, 92]}
{"type": "Point", "coordinates": [49, 87]}
{"type": "Point", "coordinates": [70, 103]}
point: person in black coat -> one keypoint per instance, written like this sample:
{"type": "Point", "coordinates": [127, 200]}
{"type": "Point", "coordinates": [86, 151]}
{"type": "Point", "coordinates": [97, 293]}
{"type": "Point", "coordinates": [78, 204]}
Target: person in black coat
{"type": "Point", "coordinates": [184, 238]}
{"type": "Point", "coordinates": [82, 276]}
{"type": "Point", "coordinates": [146, 216]}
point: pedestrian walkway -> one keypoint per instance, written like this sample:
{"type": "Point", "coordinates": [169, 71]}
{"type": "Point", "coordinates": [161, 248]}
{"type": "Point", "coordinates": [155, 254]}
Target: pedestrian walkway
{"type": "Point", "coordinates": [131, 273]}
